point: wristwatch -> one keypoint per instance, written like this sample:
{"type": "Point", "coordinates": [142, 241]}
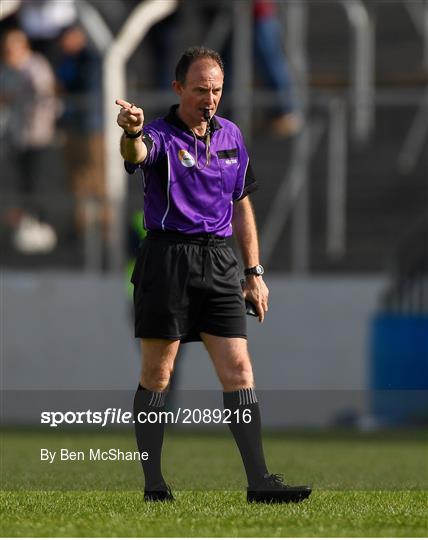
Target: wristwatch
{"type": "Point", "coordinates": [257, 270]}
{"type": "Point", "coordinates": [133, 135]}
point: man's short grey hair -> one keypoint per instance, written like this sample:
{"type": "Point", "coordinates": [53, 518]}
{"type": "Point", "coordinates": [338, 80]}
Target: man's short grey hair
{"type": "Point", "coordinates": [192, 54]}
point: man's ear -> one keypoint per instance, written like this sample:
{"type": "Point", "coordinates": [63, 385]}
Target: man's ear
{"type": "Point", "coordinates": [178, 87]}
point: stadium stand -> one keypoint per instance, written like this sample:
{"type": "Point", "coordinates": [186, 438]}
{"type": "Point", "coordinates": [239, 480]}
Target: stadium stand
{"type": "Point", "coordinates": [382, 202]}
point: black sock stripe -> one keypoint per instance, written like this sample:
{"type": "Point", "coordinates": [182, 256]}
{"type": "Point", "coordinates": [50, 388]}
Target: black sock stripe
{"type": "Point", "coordinates": [248, 396]}
{"type": "Point", "coordinates": [157, 399]}
{"type": "Point", "coordinates": [244, 396]}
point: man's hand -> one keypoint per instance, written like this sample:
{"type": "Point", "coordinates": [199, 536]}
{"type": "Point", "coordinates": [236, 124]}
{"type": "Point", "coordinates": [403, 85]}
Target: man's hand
{"type": "Point", "coordinates": [256, 291]}
{"type": "Point", "coordinates": [130, 117]}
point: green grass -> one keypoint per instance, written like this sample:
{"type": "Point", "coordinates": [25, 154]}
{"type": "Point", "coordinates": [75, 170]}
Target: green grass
{"type": "Point", "coordinates": [364, 485]}
{"type": "Point", "coordinates": [212, 514]}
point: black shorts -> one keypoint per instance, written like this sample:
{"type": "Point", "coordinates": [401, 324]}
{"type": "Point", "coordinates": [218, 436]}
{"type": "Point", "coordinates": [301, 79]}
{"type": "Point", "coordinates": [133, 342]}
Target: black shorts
{"type": "Point", "coordinates": [187, 284]}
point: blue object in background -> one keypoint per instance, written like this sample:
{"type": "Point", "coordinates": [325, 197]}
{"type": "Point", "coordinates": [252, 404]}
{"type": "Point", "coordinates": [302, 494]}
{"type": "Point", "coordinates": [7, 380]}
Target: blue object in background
{"type": "Point", "coordinates": [399, 368]}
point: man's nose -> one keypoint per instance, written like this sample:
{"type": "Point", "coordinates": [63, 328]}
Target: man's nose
{"type": "Point", "coordinates": [210, 99]}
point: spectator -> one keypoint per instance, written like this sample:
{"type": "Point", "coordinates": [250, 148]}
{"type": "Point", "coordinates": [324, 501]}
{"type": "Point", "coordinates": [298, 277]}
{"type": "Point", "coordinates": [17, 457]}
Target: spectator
{"type": "Point", "coordinates": [44, 20]}
{"type": "Point", "coordinates": [79, 77]}
{"type": "Point", "coordinates": [28, 124]}
{"type": "Point", "coordinates": [273, 66]}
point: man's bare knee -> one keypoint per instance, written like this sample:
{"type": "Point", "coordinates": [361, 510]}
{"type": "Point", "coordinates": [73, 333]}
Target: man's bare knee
{"type": "Point", "coordinates": [236, 376]}
{"type": "Point", "coordinates": [156, 378]}
{"type": "Point", "coordinates": [158, 358]}
{"type": "Point", "coordinates": [231, 360]}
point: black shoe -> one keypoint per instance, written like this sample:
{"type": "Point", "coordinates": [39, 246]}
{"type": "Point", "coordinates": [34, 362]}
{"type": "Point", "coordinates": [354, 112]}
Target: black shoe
{"type": "Point", "coordinates": [273, 490]}
{"type": "Point", "coordinates": [160, 493]}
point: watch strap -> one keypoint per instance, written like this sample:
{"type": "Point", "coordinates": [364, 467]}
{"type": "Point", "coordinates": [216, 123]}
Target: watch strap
{"type": "Point", "coordinates": [133, 135]}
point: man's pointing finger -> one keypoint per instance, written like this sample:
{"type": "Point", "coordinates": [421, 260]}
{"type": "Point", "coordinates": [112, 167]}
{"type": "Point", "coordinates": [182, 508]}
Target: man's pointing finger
{"type": "Point", "coordinates": [123, 103]}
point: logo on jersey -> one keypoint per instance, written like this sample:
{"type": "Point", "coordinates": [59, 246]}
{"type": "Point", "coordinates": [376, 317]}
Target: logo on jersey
{"type": "Point", "coordinates": [185, 158]}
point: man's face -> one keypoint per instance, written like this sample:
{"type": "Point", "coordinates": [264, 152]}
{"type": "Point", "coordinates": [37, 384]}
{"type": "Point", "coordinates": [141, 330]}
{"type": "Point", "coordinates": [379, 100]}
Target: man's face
{"type": "Point", "coordinates": [202, 90]}
{"type": "Point", "coordinates": [15, 49]}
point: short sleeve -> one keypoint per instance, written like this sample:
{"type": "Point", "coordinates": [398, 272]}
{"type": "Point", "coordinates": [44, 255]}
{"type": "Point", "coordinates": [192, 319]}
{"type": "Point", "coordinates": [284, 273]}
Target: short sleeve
{"type": "Point", "coordinates": [250, 182]}
{"type": "Point", "coordinates": [155, 140]}
{"type": "Point", "coordinates": [246, 182]}
{"type": "Point", "coordinates": [154, 143]}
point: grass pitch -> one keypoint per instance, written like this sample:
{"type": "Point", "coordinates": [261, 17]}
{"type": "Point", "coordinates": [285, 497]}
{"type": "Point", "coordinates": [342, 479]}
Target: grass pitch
{"type": "Point", "coordinates": [364, 485]}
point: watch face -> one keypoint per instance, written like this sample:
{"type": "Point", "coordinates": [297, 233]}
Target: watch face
{"type": "Point", "coordinates": [255, 271]}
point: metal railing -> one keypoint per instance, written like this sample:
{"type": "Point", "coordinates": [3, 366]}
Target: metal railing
{"type": "Point", "coordinates": [418, 132]}
{"type": "Point", "coordinates": [139, 22]}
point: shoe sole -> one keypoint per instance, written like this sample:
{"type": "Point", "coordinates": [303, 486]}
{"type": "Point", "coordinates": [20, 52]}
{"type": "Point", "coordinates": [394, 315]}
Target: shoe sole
{"type": "Point", "coordinates": [158, 497]}
{"type": "Point", "coordinates": [273, 497]}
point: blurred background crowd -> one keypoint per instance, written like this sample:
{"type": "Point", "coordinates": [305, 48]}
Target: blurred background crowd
{"type": "Point", "coordinates": [332, 97]}
{"type": "Point", "coordinates": [51, 126]}
{"type": "Point", "coordinates": [52, 100]}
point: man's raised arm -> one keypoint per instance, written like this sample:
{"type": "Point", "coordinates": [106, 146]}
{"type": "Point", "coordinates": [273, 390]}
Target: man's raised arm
{"type": "Point", "coordinates": [131, 120]}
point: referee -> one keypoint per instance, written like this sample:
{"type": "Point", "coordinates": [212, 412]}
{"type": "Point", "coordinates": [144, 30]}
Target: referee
{"type": "Point", "coordinates": [196, 177]}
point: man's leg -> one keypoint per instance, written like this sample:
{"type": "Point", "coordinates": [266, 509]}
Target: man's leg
{"type": "Point", "coordinates": [158, 356]}
{"type": "Point", "coordinates": [233, 366]}
{"type": "Point", "coordinates": [232, 363]}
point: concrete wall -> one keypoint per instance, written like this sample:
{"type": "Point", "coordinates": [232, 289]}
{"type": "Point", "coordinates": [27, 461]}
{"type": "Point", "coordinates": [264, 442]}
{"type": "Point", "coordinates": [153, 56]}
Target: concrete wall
{"type": "Point", "coordinates": [65, 331]}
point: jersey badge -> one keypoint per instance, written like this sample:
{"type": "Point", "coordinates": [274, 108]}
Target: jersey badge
{"type": "Point", "coordinates": [185, 158]}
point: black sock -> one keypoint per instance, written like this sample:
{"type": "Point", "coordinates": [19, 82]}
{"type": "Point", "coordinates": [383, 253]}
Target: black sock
{"type": "Point", "coordinates": [248, 436]}
{"type": "Point", "coordinates": [150, 436]}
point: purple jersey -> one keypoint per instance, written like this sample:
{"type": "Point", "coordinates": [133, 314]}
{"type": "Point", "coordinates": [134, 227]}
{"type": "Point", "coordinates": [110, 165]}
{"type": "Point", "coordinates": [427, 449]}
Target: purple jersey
{"type": "Point", "coordinates": [184, 193]}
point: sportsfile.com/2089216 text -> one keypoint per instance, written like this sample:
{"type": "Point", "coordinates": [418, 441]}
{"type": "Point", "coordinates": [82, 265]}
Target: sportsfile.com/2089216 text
{"type": "Point", "coordinates": [111, 416]}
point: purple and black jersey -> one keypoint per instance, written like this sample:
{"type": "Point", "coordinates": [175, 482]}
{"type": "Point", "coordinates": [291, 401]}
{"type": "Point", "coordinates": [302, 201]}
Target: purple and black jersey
{"type": "Point", "coordinates": [179, 196]}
